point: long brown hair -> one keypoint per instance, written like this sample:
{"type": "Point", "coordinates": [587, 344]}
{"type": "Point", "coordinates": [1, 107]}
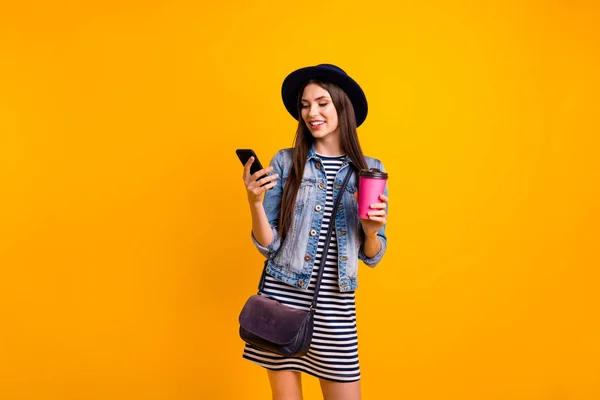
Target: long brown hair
{"type": "Point", "coordinates": [304, 140]}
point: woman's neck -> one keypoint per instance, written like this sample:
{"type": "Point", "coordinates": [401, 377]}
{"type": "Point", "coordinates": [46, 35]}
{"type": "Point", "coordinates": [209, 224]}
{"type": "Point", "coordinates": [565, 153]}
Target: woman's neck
{"type": "Point", "coordinates": [331, 147]}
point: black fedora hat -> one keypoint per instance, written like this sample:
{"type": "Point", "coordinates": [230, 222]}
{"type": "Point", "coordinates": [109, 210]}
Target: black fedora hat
{"type": "Point", "coordinates": [328, 73]}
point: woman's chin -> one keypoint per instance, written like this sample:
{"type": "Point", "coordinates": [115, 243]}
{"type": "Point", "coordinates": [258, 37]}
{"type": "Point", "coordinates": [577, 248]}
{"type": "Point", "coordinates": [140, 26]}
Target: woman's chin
{"type": "Point", "coordinates": [319, 134]}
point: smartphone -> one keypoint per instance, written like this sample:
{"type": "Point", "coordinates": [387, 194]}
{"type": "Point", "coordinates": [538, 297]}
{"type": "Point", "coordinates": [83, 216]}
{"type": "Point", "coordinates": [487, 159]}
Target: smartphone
{"type": "Point", "coordinates": [244, 155]}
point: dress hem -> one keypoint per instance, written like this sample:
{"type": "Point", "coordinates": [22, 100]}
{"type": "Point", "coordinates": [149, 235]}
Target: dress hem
{"type": "Point", "coordinates": [300, 369]}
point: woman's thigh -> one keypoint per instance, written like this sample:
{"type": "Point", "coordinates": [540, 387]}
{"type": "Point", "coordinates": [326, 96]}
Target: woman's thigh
{"type": "Point", "coordinates": [285, 385]}
{"type": "Point", "coordinates": [340, 391]}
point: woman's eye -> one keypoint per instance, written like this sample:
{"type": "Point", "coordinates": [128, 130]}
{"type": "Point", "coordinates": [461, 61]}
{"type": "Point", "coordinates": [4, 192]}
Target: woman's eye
{"type": "Point", "coordinates": [307, 106]}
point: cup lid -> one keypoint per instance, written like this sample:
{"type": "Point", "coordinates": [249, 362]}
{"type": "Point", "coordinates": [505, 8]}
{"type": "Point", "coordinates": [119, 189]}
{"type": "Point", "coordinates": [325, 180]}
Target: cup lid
{"type": "Point", "coordinates": [373, 173]}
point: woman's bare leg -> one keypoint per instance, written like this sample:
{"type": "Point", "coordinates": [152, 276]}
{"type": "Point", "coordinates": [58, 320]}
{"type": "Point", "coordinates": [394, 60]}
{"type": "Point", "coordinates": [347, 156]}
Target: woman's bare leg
{"type": "Point", "coordinates": [340, 391]}
{"type": "Point", "coordinates": [285, 385]}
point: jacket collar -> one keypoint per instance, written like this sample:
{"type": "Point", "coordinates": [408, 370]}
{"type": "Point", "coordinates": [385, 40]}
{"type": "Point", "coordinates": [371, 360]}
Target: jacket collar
{"type": "Point", "coordinates": [313, 154]}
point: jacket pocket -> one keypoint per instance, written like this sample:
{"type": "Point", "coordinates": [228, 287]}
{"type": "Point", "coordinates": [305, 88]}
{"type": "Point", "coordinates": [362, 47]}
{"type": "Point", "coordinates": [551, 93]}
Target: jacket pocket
{"type": "Point", "coordinates": [305, 192]}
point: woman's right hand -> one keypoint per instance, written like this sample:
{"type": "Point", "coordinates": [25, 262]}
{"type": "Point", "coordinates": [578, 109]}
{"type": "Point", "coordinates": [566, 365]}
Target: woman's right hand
{"type": "Point", "coordinates": [253, 186]}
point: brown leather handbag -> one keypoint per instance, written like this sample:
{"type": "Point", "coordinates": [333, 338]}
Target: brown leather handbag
{"type": "Point", "coordinates": [272, 326]}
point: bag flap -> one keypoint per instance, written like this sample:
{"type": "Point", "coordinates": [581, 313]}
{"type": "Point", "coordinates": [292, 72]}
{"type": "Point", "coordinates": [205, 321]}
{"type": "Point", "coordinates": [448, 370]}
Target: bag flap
{"type": "Point", "coordinates": [271, 320]}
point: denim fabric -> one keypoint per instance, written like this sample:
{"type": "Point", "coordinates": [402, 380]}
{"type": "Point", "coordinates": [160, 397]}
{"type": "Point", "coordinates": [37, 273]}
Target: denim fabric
{"type": "Point", "coordinates": [292, 261]}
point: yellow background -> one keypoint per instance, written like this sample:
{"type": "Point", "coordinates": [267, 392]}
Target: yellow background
{"type": "Point", "coordinates": [124, 230]}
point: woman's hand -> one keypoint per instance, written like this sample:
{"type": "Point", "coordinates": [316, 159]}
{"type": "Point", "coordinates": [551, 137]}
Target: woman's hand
{"type": "Point", "coordinates": [377, 217]}
{"type": "Point", "coordinates": [255, 191]}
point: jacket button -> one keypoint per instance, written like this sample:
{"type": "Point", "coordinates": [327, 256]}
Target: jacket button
{"type": "Point", "coordinates": [343, 285]}
{"type": "Point", "coordinates": [313, 232]}
{"type": "Point", "coordinates": [341, 233]}
{"type": "Point", "coordinates": [343, 258]}
{"type": "Point", "coordinates": [318, 165]}
{"type": "Point", "coordinates": [301, 282]}
{"type": "Point", "coordinates": [307, 257]}
{"type": "Point", "coordinates": [321, 186]}
{"type": "Point", "coordinates": [317, 208]}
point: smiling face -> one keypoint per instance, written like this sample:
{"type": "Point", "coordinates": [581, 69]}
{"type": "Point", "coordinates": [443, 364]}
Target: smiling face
{"type": "Point", "coordinates": [318, 112]}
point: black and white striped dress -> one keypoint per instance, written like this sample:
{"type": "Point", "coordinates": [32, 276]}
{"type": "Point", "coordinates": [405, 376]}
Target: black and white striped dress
{"type": "Point", "coordinates": [333, 353]}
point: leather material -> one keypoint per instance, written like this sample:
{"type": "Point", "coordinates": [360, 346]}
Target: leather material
{"type": "Point", "coordinates": [271, 320]}
{"type": "Point", "coordinates": [272, 326]}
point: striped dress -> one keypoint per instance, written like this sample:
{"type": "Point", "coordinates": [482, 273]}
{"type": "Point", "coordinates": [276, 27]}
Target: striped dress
{"type": "Point", "coordinates": [333, 353]}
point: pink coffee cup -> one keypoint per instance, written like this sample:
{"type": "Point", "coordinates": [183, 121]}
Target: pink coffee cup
{"type": "Point", "coordinates": [371, 184]}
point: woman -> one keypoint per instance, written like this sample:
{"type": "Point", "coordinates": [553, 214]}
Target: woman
{"type": "Point", "coordinates": [289, 227]}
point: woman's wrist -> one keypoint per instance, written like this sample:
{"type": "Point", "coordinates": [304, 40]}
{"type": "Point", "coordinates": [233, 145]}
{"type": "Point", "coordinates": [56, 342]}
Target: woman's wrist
{"type": "Point", "coordinates": [257, 204]}
{"type": "Point", "coordinates": [372, 245]}
{"type": "Point", "coordinates": [371, 236]}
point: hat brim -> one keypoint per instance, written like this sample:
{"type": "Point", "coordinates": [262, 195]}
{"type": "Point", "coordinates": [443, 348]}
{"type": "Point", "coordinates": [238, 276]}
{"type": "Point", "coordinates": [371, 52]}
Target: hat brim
{"type": "Point", "coordinates": [293, 83]}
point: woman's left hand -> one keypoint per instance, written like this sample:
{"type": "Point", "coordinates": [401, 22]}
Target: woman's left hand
{"type": "Point", "coordinates": [377, 216]}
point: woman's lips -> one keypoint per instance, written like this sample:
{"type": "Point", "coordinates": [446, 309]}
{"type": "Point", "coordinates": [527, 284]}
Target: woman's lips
{"type": "Point", "coordinates": [318, 126]}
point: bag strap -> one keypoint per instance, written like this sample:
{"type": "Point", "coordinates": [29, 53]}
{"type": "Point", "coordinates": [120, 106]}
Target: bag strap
{"type": "Point", "coordinates": [313, 305]}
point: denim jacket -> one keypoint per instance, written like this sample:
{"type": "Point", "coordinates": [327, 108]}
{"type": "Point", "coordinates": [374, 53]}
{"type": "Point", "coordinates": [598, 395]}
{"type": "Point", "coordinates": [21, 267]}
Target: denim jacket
{"type": "Point", "coordinates": [292, 261]}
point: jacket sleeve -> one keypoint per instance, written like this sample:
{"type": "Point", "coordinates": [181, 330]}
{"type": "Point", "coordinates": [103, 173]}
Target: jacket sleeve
{"type": "Point", "coordinates": [272, 206]}
{"type": "Point", "coordinates": [373, 261]}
